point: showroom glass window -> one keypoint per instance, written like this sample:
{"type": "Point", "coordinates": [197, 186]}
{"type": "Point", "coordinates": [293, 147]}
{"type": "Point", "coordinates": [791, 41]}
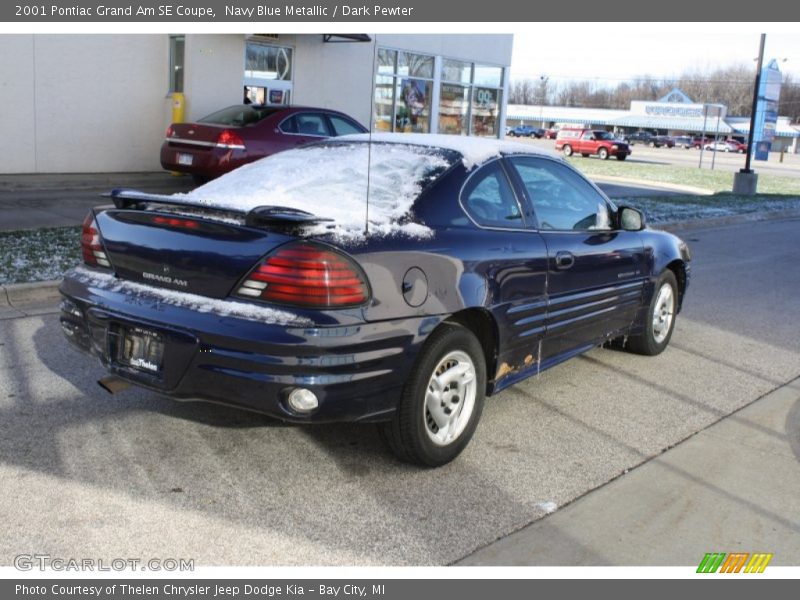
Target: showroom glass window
{"type": "Point", "coordinates": [176, 54]}
{"type": "Point", "coordinates": [486, 101]}
{"type": "Point", "coordinates": [470, 98]}
{"type": "Point", "coordinates": [454, 97]}
{"type": "Point", "coordinates": [403, 91]}
{"type": "Point", "coordinates": [267, 73]}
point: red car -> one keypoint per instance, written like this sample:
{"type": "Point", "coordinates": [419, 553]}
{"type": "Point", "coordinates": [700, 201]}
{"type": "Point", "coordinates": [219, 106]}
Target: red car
{"type": "Point", "coordinates": [734, 146]}
{"type": "Point", "coordinates": [588, 141]}
{"type": "Point", "coordinates": [241, 134]}
{"type": "Point", "coordinates": [550, 134]}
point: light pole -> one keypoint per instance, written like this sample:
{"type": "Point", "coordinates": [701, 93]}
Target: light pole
{"type": "Point", "coordinates": [746, 180]}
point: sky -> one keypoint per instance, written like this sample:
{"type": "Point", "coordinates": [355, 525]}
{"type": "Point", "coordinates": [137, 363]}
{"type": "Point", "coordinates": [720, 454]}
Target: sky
{"type": "Point", "coordinates": [661, 50]}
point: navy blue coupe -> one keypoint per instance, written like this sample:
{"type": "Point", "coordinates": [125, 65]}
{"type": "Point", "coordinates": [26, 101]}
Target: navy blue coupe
{"type": "Point", "coordinates": [391, 278]}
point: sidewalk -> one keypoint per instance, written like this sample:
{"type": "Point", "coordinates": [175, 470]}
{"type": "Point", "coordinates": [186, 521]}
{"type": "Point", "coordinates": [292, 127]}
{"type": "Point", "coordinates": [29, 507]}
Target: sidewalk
{"type": "Point", "coordinates": [32, 201]}
{"type": "Point", "coordinates": [732, 487]}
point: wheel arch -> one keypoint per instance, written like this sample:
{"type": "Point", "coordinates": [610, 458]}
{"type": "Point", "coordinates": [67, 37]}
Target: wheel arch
{"type": "Point", "coordinates": [678, 268]}
{"type": "Point", "coordinates": [483, 325]}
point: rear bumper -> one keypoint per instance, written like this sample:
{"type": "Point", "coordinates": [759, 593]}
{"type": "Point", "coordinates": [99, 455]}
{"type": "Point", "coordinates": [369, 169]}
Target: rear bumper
{"type": "Point", "coordinates": [205, 161]}
{"type": "Point", "coordinates": [355, 369]}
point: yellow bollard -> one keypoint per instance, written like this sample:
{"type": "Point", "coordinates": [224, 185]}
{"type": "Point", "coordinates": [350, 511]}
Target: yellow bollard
{"type": "Point", "coordinates": [178, 114]}
{"type": "Point", "coordinates": [178, 107]}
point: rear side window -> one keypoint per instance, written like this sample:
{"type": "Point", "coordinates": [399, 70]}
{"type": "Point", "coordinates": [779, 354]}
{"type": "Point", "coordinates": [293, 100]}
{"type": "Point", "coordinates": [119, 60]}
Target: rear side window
{"type": "Point", "coordinates": [562, 199]}
{"type": "Point", "coordinates": [342, 126]}
{"type": "Point", "coordinates": [489, 199]}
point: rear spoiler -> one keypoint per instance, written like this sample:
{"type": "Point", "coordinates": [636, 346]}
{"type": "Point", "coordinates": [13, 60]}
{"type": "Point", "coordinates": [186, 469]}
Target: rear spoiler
{"type": "Point", "coordinates": [260, 216]}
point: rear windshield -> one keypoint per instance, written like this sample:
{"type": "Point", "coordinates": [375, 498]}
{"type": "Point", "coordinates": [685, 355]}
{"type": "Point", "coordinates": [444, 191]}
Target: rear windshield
{"type": "Point", "coordinates": [239, 116]}
{"type": "Point", "coordinates": [333, 180]}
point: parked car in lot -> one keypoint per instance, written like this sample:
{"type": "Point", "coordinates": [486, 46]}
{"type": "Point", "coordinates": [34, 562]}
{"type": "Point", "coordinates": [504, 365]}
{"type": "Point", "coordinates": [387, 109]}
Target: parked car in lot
{"type": "Point", "coordinates": [736, 146]}
{"type": "Point", "coordinates": [650, 139]}
{"type": "Point", "coordinates": [591, 141]}
{"type": "Point", "coordinates": [273, 288]}
{"type": "Point", "coordinates": [722, 146]}
{"type": "Point", "coordinates": [682, 141]}
{"type": "Point", "coordinates": [699, 142]}
{"type": "Point", "coordinates": [526, 131]}
{"type": "Point", "coordinates": [550, 134]}
{"type": "Point", "coordinates": [236, 135]}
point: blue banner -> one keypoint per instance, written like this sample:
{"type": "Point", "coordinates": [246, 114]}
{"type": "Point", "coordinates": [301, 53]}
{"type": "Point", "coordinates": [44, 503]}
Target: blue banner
{"type": "Point", "coordinates": [769, 91]}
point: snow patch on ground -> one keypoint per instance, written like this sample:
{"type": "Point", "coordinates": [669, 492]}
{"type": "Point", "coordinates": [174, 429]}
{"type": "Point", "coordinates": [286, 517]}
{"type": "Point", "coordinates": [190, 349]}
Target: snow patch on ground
{"type": "Point", "coordinates": [222, 308]}
{"type": "Point", "coordinates": [333, 182]}
{"type": "Point", "coordinates": [547, 507]}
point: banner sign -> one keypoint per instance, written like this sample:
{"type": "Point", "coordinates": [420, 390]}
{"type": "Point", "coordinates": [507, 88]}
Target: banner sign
{"type": "Point", "coordinates": [769, 92]}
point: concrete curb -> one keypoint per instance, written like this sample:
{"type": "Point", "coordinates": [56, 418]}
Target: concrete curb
{"type": "Point", "coordinates": [23, 299]}
{"type": "Point", "coordinates": [696, 224]}
{"type": "Point", "coordinates": [677, 187]}
{"type": "Point", "coordinates": [20, 299]}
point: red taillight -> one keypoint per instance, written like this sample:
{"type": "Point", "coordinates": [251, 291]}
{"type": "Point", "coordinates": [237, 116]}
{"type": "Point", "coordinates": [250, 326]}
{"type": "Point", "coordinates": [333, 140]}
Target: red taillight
{"type": "Point", "coordinates": [229, 139]}
{"type": "Point", "coordinates": [175, 222]}
{"type": "Point", "coordinates": [305, 274]}
{"type": "Point", "coordinates": [170, 132]}
{"type": "Point", "coordinates": [92, 244]}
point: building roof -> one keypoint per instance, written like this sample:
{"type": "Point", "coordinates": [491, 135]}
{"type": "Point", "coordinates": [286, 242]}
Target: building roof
{"type": "Point", "coordinates": [625, 118]}
{"type": "Point", "coordinates": [563, 114]}
{"type": "Point", "coordinates": [782, 127]}
{"type": "Point", "coordinates": [684, 123]}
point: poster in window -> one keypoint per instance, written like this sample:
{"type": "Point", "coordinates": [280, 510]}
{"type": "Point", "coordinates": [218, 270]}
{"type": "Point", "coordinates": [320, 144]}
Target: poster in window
{"type": "Point", "coordinates": [414, 98]}
{"type": "Point", "coordinates": [276, 96]}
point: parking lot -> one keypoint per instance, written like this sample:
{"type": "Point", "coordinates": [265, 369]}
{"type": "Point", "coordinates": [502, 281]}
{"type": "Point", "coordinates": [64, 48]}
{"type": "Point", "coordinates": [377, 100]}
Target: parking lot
{"type": "Point", "coordinates": [136, 474]}
{"type": "Point", "coordinates": [723, 161]}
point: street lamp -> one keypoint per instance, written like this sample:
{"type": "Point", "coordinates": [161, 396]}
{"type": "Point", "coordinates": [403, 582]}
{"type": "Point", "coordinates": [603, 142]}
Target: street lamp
{"type": "Point", "coordinates": [746, 180]}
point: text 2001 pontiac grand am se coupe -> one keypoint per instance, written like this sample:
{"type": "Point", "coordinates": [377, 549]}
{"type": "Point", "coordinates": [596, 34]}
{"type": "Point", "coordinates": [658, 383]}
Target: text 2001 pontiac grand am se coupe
{"type": "Point", "coordinates": [396, 279]}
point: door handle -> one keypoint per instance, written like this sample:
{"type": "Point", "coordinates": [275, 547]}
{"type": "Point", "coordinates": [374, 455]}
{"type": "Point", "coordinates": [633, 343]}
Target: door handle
{"type": "Point", "coordinates": [564, 260]}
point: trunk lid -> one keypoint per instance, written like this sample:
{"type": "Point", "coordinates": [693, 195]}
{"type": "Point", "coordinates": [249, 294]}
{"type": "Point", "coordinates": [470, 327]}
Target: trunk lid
{"type": "Point", "coordinates": [188, 252]}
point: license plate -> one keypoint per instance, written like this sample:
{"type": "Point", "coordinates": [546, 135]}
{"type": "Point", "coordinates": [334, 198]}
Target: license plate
{"type": "Point", "coordinates": [185, 159]}
{"type": "Point", "coordinates": [141, 349]}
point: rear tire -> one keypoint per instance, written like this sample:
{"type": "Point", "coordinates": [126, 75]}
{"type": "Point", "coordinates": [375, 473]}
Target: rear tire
{"type": "Point", "coordinates": [660, 318]}
{"type": "Point", "coordinates": [442, 400]}
{"type": "Point", "coordinates": [567, 150]}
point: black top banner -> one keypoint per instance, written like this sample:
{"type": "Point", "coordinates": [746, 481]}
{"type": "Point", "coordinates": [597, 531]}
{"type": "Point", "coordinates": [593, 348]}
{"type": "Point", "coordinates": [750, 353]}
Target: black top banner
{"type": "Point", "coordinates": [331, 11]}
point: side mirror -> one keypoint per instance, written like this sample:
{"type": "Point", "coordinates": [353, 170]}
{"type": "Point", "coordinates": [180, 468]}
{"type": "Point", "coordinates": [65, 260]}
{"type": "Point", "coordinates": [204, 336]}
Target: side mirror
{"type": "Point", "coordinates": [630, 219]}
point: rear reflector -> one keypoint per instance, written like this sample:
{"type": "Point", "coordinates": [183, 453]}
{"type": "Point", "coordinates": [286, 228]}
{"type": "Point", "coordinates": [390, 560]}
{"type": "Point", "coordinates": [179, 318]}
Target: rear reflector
{"type": "Point", "coordinates": [92, 244]}
{"type": "Point", "coordinates": [307, 274]}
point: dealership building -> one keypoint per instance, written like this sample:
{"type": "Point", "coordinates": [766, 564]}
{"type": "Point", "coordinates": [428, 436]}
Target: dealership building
{"type": "Point", "coordinates": [101, 103]}
{"type": "Point", "coordinates": [674, 114]}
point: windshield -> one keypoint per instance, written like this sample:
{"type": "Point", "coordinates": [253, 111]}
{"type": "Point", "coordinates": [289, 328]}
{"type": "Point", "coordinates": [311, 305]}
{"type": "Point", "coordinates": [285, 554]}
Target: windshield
{"type": "Point", "coordinates": [239, 116]}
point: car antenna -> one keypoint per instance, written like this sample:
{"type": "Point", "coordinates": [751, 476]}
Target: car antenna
{"type": "Point", "coordinates": [371, 125]}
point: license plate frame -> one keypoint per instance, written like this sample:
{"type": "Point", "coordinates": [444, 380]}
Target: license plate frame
{"type": "Point", "coordinates": [185, 160]}
{"type": "Point", "coordinates": [141, 349]}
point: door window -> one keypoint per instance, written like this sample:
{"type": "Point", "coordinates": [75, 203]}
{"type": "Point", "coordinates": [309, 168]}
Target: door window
{"type": "Point", "coordinates": [562, 200]}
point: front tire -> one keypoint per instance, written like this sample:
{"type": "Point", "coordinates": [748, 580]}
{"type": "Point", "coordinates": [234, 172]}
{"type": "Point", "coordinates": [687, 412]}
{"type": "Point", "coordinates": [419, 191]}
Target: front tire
{"type": "Point", "coordinates": [442, 400]}
{"type": "Point", "coordinates": [567, 150]}
{"type": "Point", "coordinates": [603, 153]}
{"type": "Point", "coordinates": [660, 318]}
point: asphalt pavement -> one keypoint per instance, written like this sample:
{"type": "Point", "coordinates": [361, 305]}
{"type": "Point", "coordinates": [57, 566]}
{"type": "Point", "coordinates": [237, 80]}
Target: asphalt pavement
{"type": "Point", "coordinates": [136, 474]}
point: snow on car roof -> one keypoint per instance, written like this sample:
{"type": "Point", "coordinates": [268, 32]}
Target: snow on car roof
{"type": "Point", "coordinates": [474, 150]}
{"type": "Point", "coordinates": [332, 180]}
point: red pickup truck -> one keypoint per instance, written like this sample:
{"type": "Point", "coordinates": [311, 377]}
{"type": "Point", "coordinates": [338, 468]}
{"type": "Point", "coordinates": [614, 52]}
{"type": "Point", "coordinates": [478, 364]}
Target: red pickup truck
{"type": "Point", "coordinates": [591, 141]}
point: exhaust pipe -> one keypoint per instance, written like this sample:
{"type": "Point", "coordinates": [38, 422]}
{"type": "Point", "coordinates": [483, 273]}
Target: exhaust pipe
{"type": "Point", "coordinates": [113, 384]}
